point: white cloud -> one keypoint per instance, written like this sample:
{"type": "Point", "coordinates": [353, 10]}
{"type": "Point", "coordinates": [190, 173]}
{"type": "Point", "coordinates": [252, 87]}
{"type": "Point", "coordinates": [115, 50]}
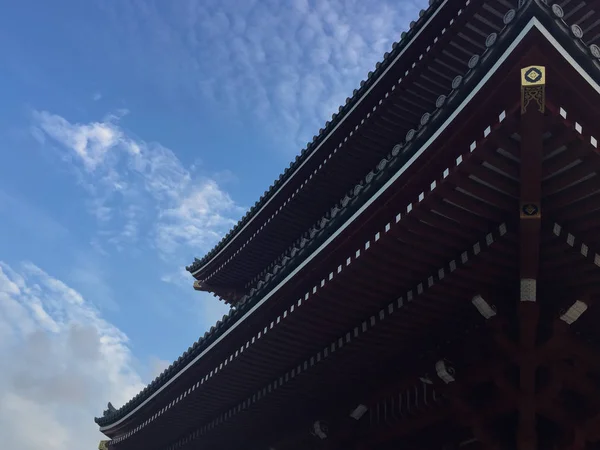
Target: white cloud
{"type": "Point", "coordinates": [132, 182]}
{"type": "Point", "coordinates": [66, 361]}
{"type": "Point", "coordinates": [97, 96]}
{"type": "Point", "coordinates": [282, 67]}
{"type": "Point", "coordinates": [91, 142]}
{"type": "Point", "coordinates": [197, 219]}
{"type": "Point", "coordinates": [287, 65]}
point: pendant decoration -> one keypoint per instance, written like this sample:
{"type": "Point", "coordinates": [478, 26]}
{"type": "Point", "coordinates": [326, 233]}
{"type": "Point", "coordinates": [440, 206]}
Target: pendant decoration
{"type": "Point", "coordinates": [530, 211]}
{"type": "Point", "coordinates": [533, 87]}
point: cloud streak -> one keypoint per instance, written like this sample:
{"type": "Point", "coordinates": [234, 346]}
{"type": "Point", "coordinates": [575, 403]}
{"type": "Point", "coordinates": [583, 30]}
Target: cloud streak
{"type": "Point", "coordinates": [287, 65]}
{"type": "Point", "coordinates": [132, 183]}
{"type": "Point", "coordinates": [65, 360]}
{"type": "Point", "coordinates": [90, 142]}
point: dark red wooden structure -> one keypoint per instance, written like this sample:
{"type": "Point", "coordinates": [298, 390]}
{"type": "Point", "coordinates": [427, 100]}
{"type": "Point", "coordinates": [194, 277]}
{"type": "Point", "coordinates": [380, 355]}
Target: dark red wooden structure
{"type": "Point", "coordinates": [423, 276]}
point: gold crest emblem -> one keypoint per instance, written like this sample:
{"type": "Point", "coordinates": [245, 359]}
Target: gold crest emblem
{"type": "Point", "coordinates": [533, 76]}
{"type": "Point", "coordinates": [533, 87]}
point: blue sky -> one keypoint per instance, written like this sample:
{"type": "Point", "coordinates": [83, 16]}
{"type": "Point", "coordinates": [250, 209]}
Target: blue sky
{"type": "Point", "coordinates": [133, 135]}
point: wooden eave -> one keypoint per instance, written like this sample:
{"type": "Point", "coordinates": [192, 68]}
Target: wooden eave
{"type": "Point", "coordinates": [421, 246]}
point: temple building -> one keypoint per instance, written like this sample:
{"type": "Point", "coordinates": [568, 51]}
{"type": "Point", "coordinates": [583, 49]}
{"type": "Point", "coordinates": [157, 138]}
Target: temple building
{"type": "Point", "coordinates": [423, 275]}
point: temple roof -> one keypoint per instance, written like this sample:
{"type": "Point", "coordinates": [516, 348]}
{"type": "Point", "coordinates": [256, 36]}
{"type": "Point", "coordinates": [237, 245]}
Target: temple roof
{"type": "Point", "coordinates": [311, 146]}
{"type": "Point", "coordinates": [354, 200]}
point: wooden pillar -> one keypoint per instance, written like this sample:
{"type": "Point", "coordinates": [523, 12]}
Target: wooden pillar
{"type": "Point", "coordinates": [531, 131]}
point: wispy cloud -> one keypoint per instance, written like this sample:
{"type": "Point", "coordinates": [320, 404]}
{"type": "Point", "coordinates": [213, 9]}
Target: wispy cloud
{"type": "Point", "coordinates": [197, 218]}
{"type": "Point", "coordinates": [65, 360]}
{"type": "Point", "coordinates": [90, 142]}
{"type": "Point", "coordinates": [286, 64]}
{"type": "Point", "coordinates": [132, 183]}
{"type": "Point", "coordinates": [281, 66]}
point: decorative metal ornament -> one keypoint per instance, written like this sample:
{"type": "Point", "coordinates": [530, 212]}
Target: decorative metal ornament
{"type": "Point", "coordinates": [445, 371]}
{"type": "Point", "coordinates": [320, 429]}
{"type": "Point", "coordinates": [425, 118]}
{"type": "Point", "coordinates": [533, 87]}
{"type": "Point", "coordinates": [485, 309]}
{"type": "Point", "coordinates": [509, 16]}
{"type": "Point", "coordinates": [533, 75]}
{"type": "Point", "coordinates": [410, 135]}
{"type": "Point", "coordinates": [530, 211]}
{"type": "Point", "coordinates": [577, 31]}
{"type": "Point", "coordinates": [528, 290]}
{"type": "Point", "coordinates": [457, 82]}
{"type": "Point", "coordinates": [595, 51]}
{"type": "Point", "coordinates": [473, 61]}
{"type": "Point", "coordinates": [440, 101]}
{"type": "Point", "coordinates": [491, 40]}
{"type": "Point", "coordinates": [396, 149]}
{"type": "Point", "coordinates": [574, 312]}
{"type": "Point", "coordinates": [558, 11]}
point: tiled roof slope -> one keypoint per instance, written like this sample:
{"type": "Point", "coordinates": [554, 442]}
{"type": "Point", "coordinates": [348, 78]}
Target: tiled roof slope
{"type": "Point", "coordinates": [380, 67]}
{"type": "Point", "coordinates": [339, 213]}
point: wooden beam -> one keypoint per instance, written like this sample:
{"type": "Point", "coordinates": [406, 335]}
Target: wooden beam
{"type": "Point", "coordinates": [531, 131]}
